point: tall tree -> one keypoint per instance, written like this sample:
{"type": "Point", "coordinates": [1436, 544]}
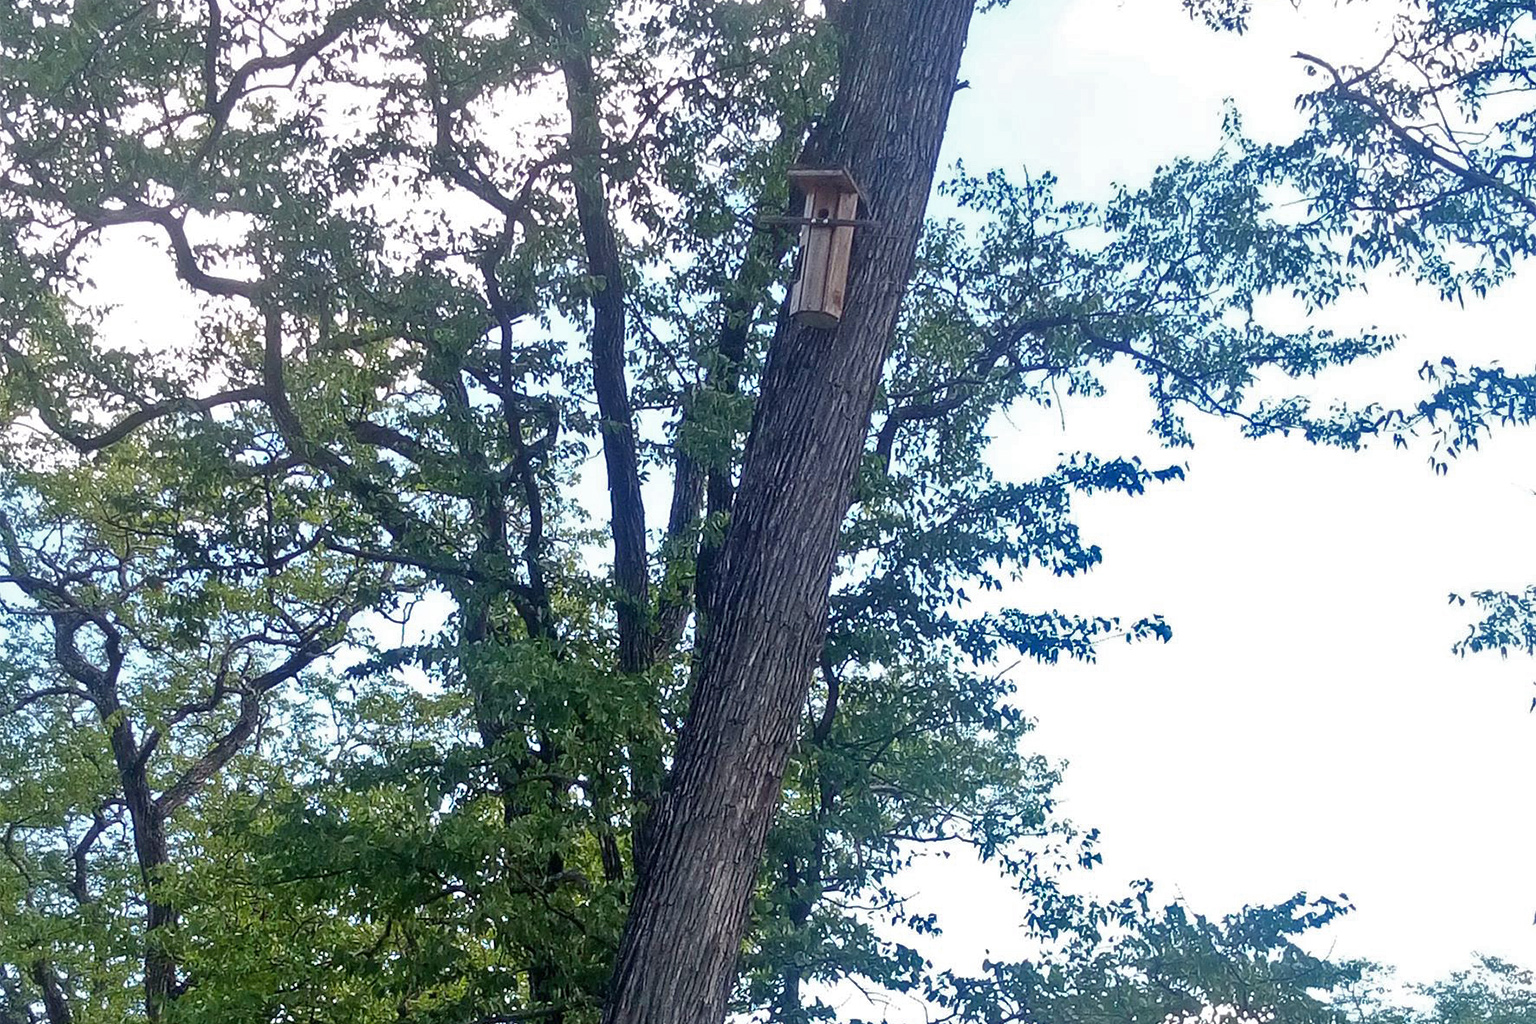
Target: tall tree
{"type": "Point", "coordinates": [443, 254]}
{"type": "Point", "coordinates": [177, 635]}
{"type": "Point", "coordinates": [766, 617]}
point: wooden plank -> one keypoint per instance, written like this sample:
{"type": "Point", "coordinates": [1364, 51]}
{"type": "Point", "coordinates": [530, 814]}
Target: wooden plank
{"type": "Point", "coordinates": [815, 244]}
{"type": "Point", "coordinates": [841, 256]}
{"type": "Point", "coordinates": [800, 222]}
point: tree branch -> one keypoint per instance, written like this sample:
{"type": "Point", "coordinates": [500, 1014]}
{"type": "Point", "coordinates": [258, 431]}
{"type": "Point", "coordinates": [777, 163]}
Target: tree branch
{"type": "Point", "coordinates": [1426, 150]}
{"type": "Point", "coordinates": [48, 691]}
{"type": "Point", "coordinates": [227, 746]}
{"type": "Point", "coordinates": [187, 266]}
{"type": "Point", "coordinates": [766, 251]}
{"type": "Point", "coordinates": [220, 109]}
{"type": "Point", "coordinates": [79, 886]}
{"type": "Point", "coordinates": [88, 443]}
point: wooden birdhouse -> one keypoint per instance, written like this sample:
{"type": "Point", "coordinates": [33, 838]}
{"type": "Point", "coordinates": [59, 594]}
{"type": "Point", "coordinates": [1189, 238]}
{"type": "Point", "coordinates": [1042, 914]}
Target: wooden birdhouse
{"type": "Point", "coordinates": [826, 243]}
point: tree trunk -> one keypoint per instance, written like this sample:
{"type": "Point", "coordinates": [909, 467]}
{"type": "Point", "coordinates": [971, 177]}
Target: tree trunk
{"type": "Point", "coordinates": [768, 604]}
{"type": "Point", "coordinates": [617, 418]}
{"type": "Point", "coordinates": [152, 848]}
{"type": "Point", "coordinates": [55, 1003]}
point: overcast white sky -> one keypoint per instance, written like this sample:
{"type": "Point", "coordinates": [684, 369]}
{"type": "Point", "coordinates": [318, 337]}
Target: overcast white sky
{"type": "Point", "coordinates": [1307, 728]}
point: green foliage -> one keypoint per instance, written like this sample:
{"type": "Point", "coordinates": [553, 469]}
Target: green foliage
{"type": "Point", "coordinates": [1419, 162]}
{"type": "Point", "coordinates": [1132, 961]}
{"type": "Point", "coordinates": [314, 706]}
{"type": "Point", "coordinates": [1491, 990]}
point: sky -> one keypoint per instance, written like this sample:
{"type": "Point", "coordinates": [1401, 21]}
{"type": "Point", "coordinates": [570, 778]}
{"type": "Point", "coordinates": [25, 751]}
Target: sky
{"type": "Point", "coordinates": [1308, 728]}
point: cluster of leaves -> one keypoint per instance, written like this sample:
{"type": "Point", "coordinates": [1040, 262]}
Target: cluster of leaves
{"type": "Point", "coordinates": [1131, 960]}
{"type": "Point", "coordinates": [1420, 162]}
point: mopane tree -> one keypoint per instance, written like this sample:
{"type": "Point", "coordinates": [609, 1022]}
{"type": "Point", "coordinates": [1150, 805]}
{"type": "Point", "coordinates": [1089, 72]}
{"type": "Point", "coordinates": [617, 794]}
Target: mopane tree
{"type": "Point", "coordinates": [488, 342]}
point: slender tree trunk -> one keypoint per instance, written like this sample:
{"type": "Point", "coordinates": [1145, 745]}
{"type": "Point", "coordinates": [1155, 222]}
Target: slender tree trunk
{"type": "Point", "coordinates": [574, 25]}
{"type": "Point", "coordinates": [55, 1003]}
{"type": "Point", "coordinates": [768, 604]}
{"type": "Point", "coordinates": [150, 843]}
{"type": "Point", "coordinates": [620, 455]}
{"type": "Point", "coordinates": [765, 253]}
{"type": "Point", "coordinates": [159, 918]}
{"type": "Point", "coordinates": [152, 849]}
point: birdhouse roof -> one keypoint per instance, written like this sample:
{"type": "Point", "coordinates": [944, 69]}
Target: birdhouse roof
{"type": "Point", "coordinates": [808, 178]}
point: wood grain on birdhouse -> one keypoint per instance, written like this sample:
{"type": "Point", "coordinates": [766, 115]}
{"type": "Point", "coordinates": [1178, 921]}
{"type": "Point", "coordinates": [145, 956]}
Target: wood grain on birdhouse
{"type": "Point", "coordinates": [826, 244]}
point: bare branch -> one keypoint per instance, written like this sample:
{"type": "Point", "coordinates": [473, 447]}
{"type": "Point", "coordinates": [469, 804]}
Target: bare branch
{"type": "Point", "coordinates": [220, 109]}
{"type": "Point", "coordinates": [87, 443]}
{"type": "Point", "coordinates": [187, 266]}
{"type": "Point", "coordinates": [48, 691]}
{"type": "Point", "coordinates": [228, 745]}
{"type": "Point", "coordinates": [79, 885]}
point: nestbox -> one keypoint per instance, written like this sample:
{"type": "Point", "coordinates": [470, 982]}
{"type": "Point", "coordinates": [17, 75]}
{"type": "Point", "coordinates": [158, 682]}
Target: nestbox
{"type": "Point", "coordinates": [826, 243]}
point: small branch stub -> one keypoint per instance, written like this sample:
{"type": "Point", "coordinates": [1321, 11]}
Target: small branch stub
{"type": "Point", "coordinates": [826, 243]}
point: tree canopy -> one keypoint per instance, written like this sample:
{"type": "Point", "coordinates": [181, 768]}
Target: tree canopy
{"type": "Point", "coordinates": [350, 624]}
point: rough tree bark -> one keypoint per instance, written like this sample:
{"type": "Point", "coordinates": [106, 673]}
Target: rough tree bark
{"type": "Point", "coordinates": [768, 603]}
